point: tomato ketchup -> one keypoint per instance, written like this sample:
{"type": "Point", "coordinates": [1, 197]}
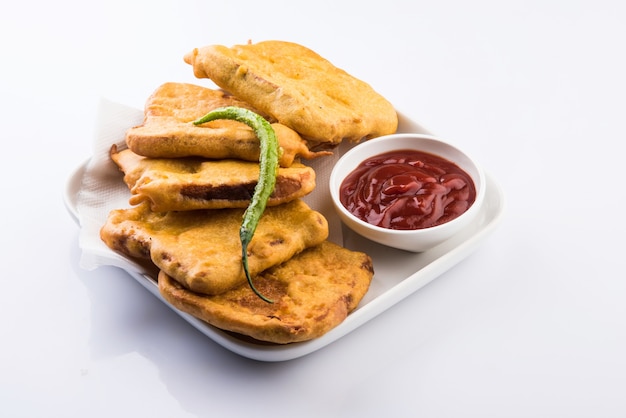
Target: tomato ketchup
{"type": "Point", "coordinates": [407, 189]}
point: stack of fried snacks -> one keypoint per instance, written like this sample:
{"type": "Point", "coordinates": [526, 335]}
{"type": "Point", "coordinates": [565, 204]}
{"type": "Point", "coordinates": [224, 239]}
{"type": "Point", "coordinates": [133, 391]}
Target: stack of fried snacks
{"type": "Point", "coordinates": [190, 186]}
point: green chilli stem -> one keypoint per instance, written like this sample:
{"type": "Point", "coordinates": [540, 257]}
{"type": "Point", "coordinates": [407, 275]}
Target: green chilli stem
{"type": "Point", "coordinates": [268, 168]}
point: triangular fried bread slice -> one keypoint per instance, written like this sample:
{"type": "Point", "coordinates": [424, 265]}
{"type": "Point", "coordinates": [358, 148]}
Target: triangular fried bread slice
{"type": "Point", "coordinates": [298, 88]}
{"type": "Point", "coordinates": [168, 132]}
{"type": "Point", "coordinates": [201, 249]}
{"type": "Point", "coordinates": [313, 292]}
{"type": "Point", "coordinates": [196, 183]}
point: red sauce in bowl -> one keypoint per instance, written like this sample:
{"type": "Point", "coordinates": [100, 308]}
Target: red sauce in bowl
{"type": "Point", "coordinates": [407, 189]}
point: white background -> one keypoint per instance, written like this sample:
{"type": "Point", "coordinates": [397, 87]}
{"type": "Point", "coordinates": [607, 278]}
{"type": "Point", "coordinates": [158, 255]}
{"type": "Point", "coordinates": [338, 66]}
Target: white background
{"type": "Point", "coordinates": [533, 324]}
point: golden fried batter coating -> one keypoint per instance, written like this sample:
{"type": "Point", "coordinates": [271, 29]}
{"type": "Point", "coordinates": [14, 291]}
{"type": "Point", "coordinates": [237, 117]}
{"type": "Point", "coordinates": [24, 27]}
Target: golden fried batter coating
{"type": "Point", "coordinates": [195, 183]}
{"type": "Point", "coordinates": [299, 89]}
{"type": "Point", "coordinates": [167, 131]}
{"type": "Point", "coordinates": [201, 249]}
{"type": "Point", "coordinates": [313, 292]}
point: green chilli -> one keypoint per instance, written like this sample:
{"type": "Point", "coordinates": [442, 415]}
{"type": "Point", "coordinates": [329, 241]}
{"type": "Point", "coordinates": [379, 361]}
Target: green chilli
{"type": "Point", "coordinates": [268, 167]}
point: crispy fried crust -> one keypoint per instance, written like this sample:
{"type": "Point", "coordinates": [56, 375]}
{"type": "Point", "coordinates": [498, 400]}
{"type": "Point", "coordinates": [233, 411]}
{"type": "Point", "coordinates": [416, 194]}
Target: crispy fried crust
{"type": "Point", "coordinates": [298, 88]}
{"type": "Point", "coordinates": [313, 292]}
{"type": "Point", "coordinates": [201, 249]}
{"type": "Point", "coordinates": [167, 131]}
{"type": "Point", "coordinates": [194, 183]}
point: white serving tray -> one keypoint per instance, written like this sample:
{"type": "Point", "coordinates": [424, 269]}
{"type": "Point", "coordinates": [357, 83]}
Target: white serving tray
{"type": "Point", "coordinates": [397, 273]}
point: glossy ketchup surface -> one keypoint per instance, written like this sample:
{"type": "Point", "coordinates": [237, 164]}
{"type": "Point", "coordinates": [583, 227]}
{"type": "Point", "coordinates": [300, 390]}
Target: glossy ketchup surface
{"type": "Point", "coordinates": [407, 189]}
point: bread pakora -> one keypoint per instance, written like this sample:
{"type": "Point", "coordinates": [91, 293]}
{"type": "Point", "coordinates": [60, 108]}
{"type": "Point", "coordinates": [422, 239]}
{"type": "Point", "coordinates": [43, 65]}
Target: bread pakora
{"type": "Point", "coordinates": [167, 130]}
{"type": "Point", "coordinates": [201, 249]}
{"type": "Point", "coordinates": [298, 88]}
{"type": "Point", "coordinates": [313, 292]}
{"type": "Point", "coordinates": [194, 183]}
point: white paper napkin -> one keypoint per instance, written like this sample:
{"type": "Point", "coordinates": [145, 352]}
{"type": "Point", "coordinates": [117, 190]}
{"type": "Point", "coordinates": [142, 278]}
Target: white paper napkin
{"type": "Point", "coordinates": [103, 189]}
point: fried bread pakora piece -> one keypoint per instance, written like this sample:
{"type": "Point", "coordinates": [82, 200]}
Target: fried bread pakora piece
{"type": "Point", "coordinates": [168, 132]}
{"type": "Point", "coordinates": [313, 292]}
{"type": "Point", "coordinates": [195, 183]}
{"type": "Point", "coordinates": [298, 88]}
{"type": "Point", "coordinates": [201, 249]}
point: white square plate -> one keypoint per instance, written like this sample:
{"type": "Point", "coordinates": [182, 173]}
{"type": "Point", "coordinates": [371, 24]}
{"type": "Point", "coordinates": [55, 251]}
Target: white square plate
{"type": "Point", "coordinates": [397, 273]}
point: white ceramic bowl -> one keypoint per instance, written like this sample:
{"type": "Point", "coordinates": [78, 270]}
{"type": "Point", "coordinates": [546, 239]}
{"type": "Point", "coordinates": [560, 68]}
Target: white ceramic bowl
{"type": "Point", "coordinates": [416, 240]}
